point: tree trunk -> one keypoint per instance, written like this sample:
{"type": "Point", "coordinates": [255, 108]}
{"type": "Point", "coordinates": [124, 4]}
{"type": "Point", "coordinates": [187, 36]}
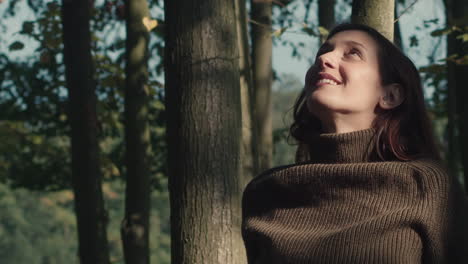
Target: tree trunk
{"type": "Point", "coordinates": [453, 150]}
{"type": "Point", "coordinates": [86, 177]}
{"type": "Point", "coordinates": [262, 77]}
{"type": "Point", "coordinates": [377, 14]}
{"type": "Point", "coordinates": [204, 131]}
{"type": "Point", "coordinates": [457, 78]}
{"type": "Point", "coordinates": [249, 158]}
{"type": "Point", "coordinates": [397, 40]}
{"type": "Point", "coordinates": [135, 225]}
{"type": "Point", "coordinates": [326, 15]}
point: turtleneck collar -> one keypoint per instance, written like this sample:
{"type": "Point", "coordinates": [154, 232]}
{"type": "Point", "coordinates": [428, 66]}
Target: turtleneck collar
{"type": "Point", "coordinates": [350, 147]}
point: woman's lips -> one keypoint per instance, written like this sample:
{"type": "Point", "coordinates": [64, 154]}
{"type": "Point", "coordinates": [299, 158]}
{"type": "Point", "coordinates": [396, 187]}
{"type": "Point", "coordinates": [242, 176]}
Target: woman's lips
{"type": "Point", "coordinates": [329, 78]}
{"type": "Point", "coordinates": [325, 82]}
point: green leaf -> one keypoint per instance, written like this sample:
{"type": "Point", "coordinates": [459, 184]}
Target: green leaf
{"type": "Point", "coordinates": [414, 42]}
{"type": "Point", "coordinates": [445, 31]}
{"type": "Point", "coordinates": [441, 32]}
{"type": "Point", "coordinates": [279, 32]}
{"type": "Point", "coordinates": [117, 45]}
{"type": "Point", "coordinates": [434, 68]}
{"type": "Point", "coordinates": [452, 57]}
{"type": "Point", "coordinates": [308, 30]}
{"type": "Point", "coordinates": [16, 46]}
{"type": "Point", "coordinates": [28, 28]}
{"type": "Point", "coordinates": [158, 105]}
{"type": "Point", "coordinates": [431, 21]}
{"type": "Point", "coordinates": [462, 60]}
{"type": "Point", "coordinates": [323, 31]}
{"type": "Point", "coordinates": [463, 37]}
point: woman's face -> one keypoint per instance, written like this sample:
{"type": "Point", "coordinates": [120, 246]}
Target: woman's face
{"type": "Point", "coordinates": [345, 77]}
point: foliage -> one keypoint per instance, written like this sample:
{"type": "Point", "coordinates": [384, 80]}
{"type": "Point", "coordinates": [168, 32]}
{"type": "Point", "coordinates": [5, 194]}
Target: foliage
{"type": "Point", "coordinates": [34, 128]}
{"type": "Point", "coordinates": [286, 21]}
{"type": "Point", "coordinates": [40, 227]}
{"type": "Point", "coordinates": [36, 228]}
{"type": "Point", "coordinates": [159, 222]}
{"type": "Point", "coordinates": [34, 99]}
{"type": "Point", "coordinates": [285, 91]}
{"type": "Point", "coordinates": [435, 75]}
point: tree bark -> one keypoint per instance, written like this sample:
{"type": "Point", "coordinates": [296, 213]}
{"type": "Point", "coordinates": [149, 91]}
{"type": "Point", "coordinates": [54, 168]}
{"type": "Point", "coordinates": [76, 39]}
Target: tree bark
{"type": "Point", "coordinates": [397, 40]}
{"type": "Point", "coordinates": [262, 76]}
{"type": "Point", "coordinates": [249, 157]}
{"type": "Point", "coordinates": [326, 15]}
{"type": "Point", "coordinates": [135, 225]}
{"type": "Point", "coordinates": [377, 14]}
{"type": "Point", "coordinates": [204, 131]}
{"type": "Point", "coordinates": [452, 145]}
{"type": "Point", "coordinates": [457, 78]}
{"type": "Point", "coordinates": [452, 128]}
{"type": "Point", "coordinates": [86, 177]}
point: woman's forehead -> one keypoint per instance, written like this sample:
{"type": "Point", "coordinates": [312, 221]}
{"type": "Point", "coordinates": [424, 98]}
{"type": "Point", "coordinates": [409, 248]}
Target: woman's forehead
{"type": "Point", "coordinates": [355, 37]}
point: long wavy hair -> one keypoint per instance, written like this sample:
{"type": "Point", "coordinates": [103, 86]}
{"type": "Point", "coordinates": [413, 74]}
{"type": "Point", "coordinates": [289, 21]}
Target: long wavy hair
{"type": "Point", "coordinates": [404, 132]}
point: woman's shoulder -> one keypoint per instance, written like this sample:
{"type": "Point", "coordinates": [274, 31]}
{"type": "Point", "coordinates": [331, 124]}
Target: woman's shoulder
{"type": "Point", "coordinates": [265, 175]}
{"type": "Point", "coordinates": [435, 177]}
{"type": "Point", "coordinates": [431, 169]}
{"type": "Point", "coordinates": [270, 176]}
{"type": "Point", "coordinates": [428, 164]}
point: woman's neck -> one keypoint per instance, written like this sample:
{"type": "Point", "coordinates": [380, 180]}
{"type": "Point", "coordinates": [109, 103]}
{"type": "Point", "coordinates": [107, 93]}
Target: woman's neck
{"type": "Point", "coordinates": [351, 147]}
{"type": "Point", "coordinates": [346, 122]}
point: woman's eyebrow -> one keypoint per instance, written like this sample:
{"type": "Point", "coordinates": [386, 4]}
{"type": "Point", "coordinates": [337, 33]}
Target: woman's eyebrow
{"type": "Point", "coordinates": [354, 43]}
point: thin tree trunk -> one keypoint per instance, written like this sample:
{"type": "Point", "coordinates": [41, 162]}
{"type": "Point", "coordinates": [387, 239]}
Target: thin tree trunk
{"type": "Point", "coordinates": [135, 225]}
{"type": "Point", "coordinates": [248, 154]}
{"type": "Point", "coordinates": [397, 40]}
{"type": "Point", "coordinates": [457, 78]}
{"type": "Point", "coordinates": [377, 14]}
{"type": "Point", "coordinates": [453, 151]}
{"type": "Point", "coordinates": [203, 105]}
{"type": "Point", "coordinates": [89, 206]}
{"type": "Point", "coordinates": [326, 15]}
{"type": "Point", "coordinates": [262, 76]}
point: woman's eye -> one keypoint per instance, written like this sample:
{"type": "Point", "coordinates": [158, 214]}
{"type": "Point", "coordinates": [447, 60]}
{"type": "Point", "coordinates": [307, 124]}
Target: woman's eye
{"type": "Point", "coordinates": [354, 52]}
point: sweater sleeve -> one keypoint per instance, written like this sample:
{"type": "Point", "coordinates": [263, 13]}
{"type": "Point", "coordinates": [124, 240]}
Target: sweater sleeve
{"type": "Point", "coordinates": [444, 216]}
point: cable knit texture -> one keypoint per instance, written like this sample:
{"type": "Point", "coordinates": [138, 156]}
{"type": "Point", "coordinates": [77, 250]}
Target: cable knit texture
{"type": "Point", "coordinates": [345, 206]}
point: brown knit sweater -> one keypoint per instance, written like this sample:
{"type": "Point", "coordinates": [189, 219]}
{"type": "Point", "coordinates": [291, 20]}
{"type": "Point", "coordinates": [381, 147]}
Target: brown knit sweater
{"type": "Point", "coordinates": [343, 206]}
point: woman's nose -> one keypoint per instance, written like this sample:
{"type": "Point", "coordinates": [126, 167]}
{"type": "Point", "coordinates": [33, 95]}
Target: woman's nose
{"type": "Point", "coordinates": [326, 61]}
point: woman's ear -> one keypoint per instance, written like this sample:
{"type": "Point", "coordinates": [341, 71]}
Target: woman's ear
{"type": "Point", "coordinates": [392, 96]}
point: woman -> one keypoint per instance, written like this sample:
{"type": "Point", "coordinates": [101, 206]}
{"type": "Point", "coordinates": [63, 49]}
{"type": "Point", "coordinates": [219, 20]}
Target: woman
{"type": "Point", "coordinates": [369, 186]}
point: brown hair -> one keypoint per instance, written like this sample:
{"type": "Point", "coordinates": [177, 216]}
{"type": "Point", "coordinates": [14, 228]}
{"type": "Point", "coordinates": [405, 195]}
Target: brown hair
{"type": "Point", "coordinates": [404, 132]}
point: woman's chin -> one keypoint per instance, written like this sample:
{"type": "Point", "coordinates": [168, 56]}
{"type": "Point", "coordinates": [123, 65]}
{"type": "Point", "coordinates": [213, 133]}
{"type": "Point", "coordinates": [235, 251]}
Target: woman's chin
{"type": "Point", "coordinates": [322, 107]}
{"type": "Point", "coordinates": [326, 101]}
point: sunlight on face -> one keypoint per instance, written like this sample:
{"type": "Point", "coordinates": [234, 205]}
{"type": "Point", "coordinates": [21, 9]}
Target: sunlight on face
{"type": "Point", "coordinates": [345, 77]}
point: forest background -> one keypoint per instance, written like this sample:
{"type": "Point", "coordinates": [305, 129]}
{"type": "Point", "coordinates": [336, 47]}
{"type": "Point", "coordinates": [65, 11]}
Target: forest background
{"type": "Point", "coordinates": [69, 75]}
